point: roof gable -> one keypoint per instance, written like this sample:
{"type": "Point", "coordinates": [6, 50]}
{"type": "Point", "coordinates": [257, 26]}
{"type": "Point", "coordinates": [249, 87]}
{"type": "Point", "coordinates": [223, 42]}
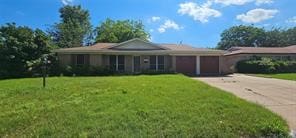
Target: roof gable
{"type": "Point", "coordinates": [137, 44]}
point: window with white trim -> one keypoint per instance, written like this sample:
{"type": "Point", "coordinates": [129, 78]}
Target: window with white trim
{"type": "Point", "coordinates": [152, 62]}
{"type": "Point", "coordinates": [120, 63]}
{"type": "Point", "coordinates": [157, 63]}
{"type": "Point", "coordinates": [117, 62]}
{"type": "Point", "coordinates": [112, 62]}
{"type": "Point", "coordinates": [160, 62]}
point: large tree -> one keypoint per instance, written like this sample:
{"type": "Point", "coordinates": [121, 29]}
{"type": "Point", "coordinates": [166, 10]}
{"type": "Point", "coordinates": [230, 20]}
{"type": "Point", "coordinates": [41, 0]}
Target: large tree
{"type": "Point", "coordinates": [242, 36]}
{"type": "Point", "coordinates": [290, 35]}
{"type": "Point", "coordinates": [275, 37]}
{"type": "Point", "coordinates": [119, 31]}
{"type": "Point", "coordinates": [21, 49]}
{"type": "Point", "coordinates": [251, 36]}
{"type": "Point", "coordinates": [74, 28]}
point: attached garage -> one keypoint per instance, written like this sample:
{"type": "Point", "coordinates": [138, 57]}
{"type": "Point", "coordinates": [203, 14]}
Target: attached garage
{"type": "Point", "coordinates": [209, 65]}
{"type": "Point", "coordinates": [186, 65]}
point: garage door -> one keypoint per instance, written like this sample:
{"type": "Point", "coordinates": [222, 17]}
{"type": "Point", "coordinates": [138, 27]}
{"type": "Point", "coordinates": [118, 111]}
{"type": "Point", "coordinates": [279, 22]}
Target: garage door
{"type": "Point", "coordinates": [186, 65]}
{"type": "Point", "coordinates": [209, 65]}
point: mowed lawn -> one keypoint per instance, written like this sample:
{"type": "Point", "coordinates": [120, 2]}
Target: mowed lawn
{"type": "Point", "coordinates": [131, 106]}
{"type": "Point", "coordinates": [284, 76]}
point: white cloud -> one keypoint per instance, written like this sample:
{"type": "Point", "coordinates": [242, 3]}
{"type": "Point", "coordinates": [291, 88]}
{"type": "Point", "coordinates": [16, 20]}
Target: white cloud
{"type": "Point", "coordinates": [242, 2]}
{"type": "Point", "coordinates": [257, 15]}
{"type": "Point", "coordinates": [169, 24]}
{"type": "Point", "coordinates": [155, 18]}
{"type": "Point", "coordinates": [67, 2]}
{"type": "Point", "coordinates": [232, 2]}
{"type": "Point", "coordinates": [200, 13]}
{"type": "Point", "coordinates": [291, 20]}
{"type": "Point", "coordinates": [259, 2]}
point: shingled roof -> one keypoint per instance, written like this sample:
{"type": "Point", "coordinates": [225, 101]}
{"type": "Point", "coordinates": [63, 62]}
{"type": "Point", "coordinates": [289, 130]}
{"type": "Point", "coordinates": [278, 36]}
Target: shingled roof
{"type": "Point", "coordinates": [262, 50]}
{"type": "Point", "coordinates": [108, 47]}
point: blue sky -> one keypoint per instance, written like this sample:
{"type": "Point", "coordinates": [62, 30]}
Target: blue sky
{"type": "Point", "coordinates": [195, 22]}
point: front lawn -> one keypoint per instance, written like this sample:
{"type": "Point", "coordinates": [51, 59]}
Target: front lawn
{"type": "Point", "coordinates": [285, 76]}
{"type": "Point", "coordinates": [131, 106]}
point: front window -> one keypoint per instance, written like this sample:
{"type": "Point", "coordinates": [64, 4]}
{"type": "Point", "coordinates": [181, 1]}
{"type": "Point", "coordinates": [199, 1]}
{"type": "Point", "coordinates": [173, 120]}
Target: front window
{"type": "Point", "coordinates": [113, 62]}
{"type": "Point", "coordinates": [117, 63]}
{"type": "Point", "coordinates": [152, 62]}
{"type": "Point", "coordinates": [156, 63]}
{"type": "Point", "coordinates": [160, 63]}
{"type": "Point", "coordinates": [120, 63]}
{"type": "Point", "coordinates": [80, 60]}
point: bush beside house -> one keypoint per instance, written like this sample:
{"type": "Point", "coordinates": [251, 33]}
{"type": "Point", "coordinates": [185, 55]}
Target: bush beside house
{"type": "Point", "coordinates": [85, 71]}
{"type": "Point", "coordinates": [266, 65]}
{"type": "Point", "coordinates": [98, 71]}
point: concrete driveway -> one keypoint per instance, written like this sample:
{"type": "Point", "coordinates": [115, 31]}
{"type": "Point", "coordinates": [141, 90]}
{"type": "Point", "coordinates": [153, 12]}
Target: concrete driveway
{"type": "Point", "coordinates": [275, 94]}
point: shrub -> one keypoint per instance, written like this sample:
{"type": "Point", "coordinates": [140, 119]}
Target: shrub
{"type": "Point", "coordinates": [85, 71]}
{"type": "Point", "coordinates": [154, 72]}
{"type": "Point", "coordinates": [266, 65]}
{"type": "Point", "coordinates": [101, 71]}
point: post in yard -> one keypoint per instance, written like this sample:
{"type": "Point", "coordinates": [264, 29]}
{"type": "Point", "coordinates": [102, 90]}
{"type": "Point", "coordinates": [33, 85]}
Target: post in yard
{"type": "Point", "coordinates": [44, 71]}
{"type": "Point", "coordinates": [44, 75]}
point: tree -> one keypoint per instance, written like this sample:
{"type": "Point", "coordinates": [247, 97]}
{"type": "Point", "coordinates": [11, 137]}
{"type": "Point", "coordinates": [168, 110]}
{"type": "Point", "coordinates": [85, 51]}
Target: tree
{"type": "Point", "coordinates": [74, 29]}
{"type": "Point", "coordinates": [119, 31]}
{"type": "Point", "coordinates": [252, 36]}
{"type": "Point", "coordinates": [275, 38]}
{"type": "Point", "coordinates": [244, 36]}
{"type": "Point", "coordinates": [290, 35]}
{"type": "Point", "coordinates": [21, 49]}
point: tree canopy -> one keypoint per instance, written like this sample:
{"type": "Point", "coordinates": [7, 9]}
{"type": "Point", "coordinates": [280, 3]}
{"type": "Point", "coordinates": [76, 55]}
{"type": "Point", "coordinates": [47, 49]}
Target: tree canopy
{"type": "Point", "coordinates": [275, 37]}
{"type": "Point", "coordinates": [291, 36]}
{"type": "Point", "coordinates": [119, 31]}
{"type": "Point", "coordinates": [74, 28]}
{"type": "Point", "coordinates": [21, 48]}
{"type": "Point", "coordinates": [241, 36]}
{"type": "Point", "coordinates": [251, 36]}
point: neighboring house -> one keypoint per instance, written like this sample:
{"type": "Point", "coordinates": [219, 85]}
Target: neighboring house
{"type": "Point", "coordinates": [236, 54]}
{"type": "Point", "coordinates": [135, 56]}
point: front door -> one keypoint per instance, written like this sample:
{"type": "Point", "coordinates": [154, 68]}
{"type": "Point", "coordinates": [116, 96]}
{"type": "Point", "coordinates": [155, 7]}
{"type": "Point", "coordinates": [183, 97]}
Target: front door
{"type": "Point", "coordinates": [137, 64]}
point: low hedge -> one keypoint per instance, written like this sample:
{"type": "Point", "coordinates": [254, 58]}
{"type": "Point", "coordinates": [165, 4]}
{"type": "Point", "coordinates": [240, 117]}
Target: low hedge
{"type": "Point", "coordinates": [266, 65]}
{"type": "Point", "coordinates": [85, 71]}
{"type": "Point", "coordinates": [100, 71]}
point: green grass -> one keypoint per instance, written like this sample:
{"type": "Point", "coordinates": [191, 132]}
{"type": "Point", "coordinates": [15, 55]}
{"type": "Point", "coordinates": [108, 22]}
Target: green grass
{"type": "Point", "coordinates": [284, 76]}
{"type": "Point", "coordinates": [131, 106]}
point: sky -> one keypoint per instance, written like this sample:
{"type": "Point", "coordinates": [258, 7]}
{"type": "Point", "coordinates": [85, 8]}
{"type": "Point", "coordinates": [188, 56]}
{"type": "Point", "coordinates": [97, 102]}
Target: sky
{"type": "Point", "coordinates": [195, 22]}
